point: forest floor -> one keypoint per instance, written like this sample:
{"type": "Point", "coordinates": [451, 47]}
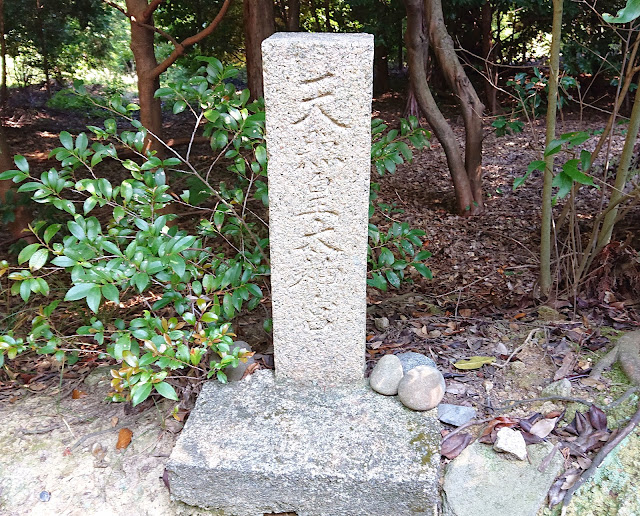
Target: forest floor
{"type": "Point", "coordinates": [482, 301]}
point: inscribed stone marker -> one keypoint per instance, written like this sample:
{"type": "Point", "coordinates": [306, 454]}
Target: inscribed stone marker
{"type": "Point", "coordinates": [315, 449]}
{"type": "Point", "coordinates": [318, 90]}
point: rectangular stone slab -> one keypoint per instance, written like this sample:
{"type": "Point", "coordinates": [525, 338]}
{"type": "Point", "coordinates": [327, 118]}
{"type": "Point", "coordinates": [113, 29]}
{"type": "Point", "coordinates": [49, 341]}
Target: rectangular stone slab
{"type": "Point", "coordinates": [257, 446]}
{"type": "Point", "coordinates": [317, 90]}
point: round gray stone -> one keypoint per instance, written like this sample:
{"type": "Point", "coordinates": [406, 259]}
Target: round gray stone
{"type": "Point", "coordinates": [422, 388]}
{"type": "Point", "coordinates": [386, 375]}
{"type": "Point", "coordinates": [411, 359]}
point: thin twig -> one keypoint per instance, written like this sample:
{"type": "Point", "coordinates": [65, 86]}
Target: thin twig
{"type": "Point", "coordinates": [518, 349]}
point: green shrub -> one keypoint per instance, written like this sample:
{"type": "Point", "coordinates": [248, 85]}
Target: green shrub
{"type": "Point", "coordinates": [131, 253]}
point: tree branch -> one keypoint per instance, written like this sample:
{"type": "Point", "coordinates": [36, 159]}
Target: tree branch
{"type": "Point", "coordinates": [116, 6]}
{"type": "Point", "coordinates": [192, 40]}
{"type": "Point", "coordinates": [150, 10]}
{"type": "Point", "coordinates": [153, 28]}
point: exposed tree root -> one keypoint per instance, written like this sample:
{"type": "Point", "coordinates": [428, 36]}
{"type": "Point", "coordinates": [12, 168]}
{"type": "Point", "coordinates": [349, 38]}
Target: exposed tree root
{"type": "Point", "coordinates": [627, 353]}
{"type": "Point", "coordinates": [601, 455]}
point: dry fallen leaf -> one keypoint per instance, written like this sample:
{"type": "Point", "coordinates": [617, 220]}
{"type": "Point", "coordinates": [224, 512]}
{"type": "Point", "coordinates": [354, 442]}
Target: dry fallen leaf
{"type": "Point", "coordinates": [543, 427]}
{"type": "Point", "coordinates": [465, 312]}
{"type": "Point", "coordinates": [473, 362]}
{"type": "Point", "coordinates": [568, 363]}
{"type": "Point", "coordinates": [37, 386]}
{"type": "Point", "coordinates": [592, 382]}
{"type": "Point", "coordinates": [597, 418]}
{"type": "Point", "coordinates": [124, 438]}
{"type": "Point", "coordinates": [453, 446]}
{"type": "Point", "coordinates": [77, 394]}
{"type": "Point", "coordinates": [458, 388]}
{"type": "Point", "coordinates": [114, 421]}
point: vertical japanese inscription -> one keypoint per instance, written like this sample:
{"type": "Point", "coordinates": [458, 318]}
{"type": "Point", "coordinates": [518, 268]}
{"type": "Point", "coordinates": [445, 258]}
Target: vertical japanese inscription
{"type": "Point", "coordinates": [318, 105]}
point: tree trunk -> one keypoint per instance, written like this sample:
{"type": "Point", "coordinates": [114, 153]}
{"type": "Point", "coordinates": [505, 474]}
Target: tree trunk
{"type": "Point", "coordinates": [43, 47]}
{"type": "Point", "coordinates": [552, 100]}
{"type": "Point", "coordinates": [487, 43]}
{"type": "Point", "coordinates": [380, 69]}
{"type": "Point", "coordinates": [415, 41]}
{"type": "Point", "coordinates": [412, 107]}
{"type": "Point", "coordinates": [327, 15]}
{"type": "Point", "coordinates": [21, 215]}
{"type": "Point", "coordinates": [143, 48]}
{"type": "Point", "coordinates": [3, 51]}
{"type": "Point", "coordinates": [468, 100]}
{"type": "Point", "coordinates": [622, 173]}
{"type": "Point", "coordinates": [400, 48]}
{"type": "Point", "coordinates": [314, 10]}
{"type": "Point", "coordinates": [293, 16]}
{"type": "Point", "coordinates": [259, 24]}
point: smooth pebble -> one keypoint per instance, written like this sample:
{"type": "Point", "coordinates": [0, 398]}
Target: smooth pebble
{"type": "Point", "coordinates": [422, 388]}
{"type": "Point", "coordinates": [386, 375]}
{"type": "Point", "coordinates": [411, 359]}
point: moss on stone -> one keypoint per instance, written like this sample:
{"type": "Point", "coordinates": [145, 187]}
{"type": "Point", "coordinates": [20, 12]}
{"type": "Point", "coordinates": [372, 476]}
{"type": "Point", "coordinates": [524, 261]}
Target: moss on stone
{"type": "Point", "coordinates": [613, 490]}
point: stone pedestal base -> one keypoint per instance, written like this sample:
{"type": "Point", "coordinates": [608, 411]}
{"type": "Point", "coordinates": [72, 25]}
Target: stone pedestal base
{"type": "Point", "coordinates": [258, 447]}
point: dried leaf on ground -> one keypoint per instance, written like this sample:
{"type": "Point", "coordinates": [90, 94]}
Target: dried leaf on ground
{"type": "Point", "coordinates": [489, 433]}
{"type": "Point", "coordinates": [473, 362]}
{"type": "Point", "coordinates": [76, 394]}
{"type": "Point", "coordinates": [543, 427]}
{"type": "Point", "coordinates": [568, 363]}
{"type": "Point", "coordinates": [124, 438]}
{"type": "Point", "coordinates": [453, 446]}
{"type": "Point", "coordinates": [597, 418]}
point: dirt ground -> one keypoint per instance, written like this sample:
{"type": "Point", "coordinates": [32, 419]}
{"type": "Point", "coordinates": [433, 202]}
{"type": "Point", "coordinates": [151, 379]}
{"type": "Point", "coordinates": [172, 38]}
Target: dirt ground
{"type": "Point", "coordinates": [481, 301]}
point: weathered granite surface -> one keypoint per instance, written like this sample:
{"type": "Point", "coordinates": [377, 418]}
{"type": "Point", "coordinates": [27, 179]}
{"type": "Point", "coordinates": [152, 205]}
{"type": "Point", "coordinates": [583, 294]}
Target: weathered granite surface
{"type": "Point", "coordinates": [482, 482]}
{"type": "Point", "coordinates": [260, 446]}
{"type": "Point", "coordinates": [613, 490]}
{"type": "Point", "coordinates": [318, 90]}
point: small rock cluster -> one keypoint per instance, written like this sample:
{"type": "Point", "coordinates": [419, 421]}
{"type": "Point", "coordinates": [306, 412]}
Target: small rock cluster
{"type": "Point", "coordinates": [412, 376]}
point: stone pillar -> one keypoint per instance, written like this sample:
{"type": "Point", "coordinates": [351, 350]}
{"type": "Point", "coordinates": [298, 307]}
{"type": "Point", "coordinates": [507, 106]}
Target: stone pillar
{"type": "Point", "coordinates": [316, 440]}
{"type": "Point", "coordinates": [318, 91]}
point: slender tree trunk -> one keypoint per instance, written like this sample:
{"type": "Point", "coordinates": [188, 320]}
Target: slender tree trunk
{"type": "Point", "coordinates": [43, 46]}
{"type": "Point", "coordinates": [487, 43]}
{"type": "Point", "coordinates": [3, 51]}
{"type": "Point", "coordinates": [380, 69]}
{"type": "Point", "coordinates": [327, 15]}
{"type": "Point", "coordinates": [259, 24]}
{"type": "Point", "coordinates": [470, 105]}
{"type": "Point", "coordinates": [622, 173]}
{"type": "Point", "coordinates": [293, 16]}
{"type": "Point", "coordinates": [21, 215]}
{"type": "Point", "coordinates": [143, 48]}
{"type": "Point", "coordinates": [314, 10]}
{"type": "Point", "coordinates": [547, 213]}
{"type": "Point", "coordinates": [412, 107]}
{"type": "Point", "coordinates": [415, 41]}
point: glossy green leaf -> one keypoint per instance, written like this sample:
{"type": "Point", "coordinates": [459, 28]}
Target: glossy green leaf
{"type": "Point", "coordinates": [38, 259]}
{"type": "Point", "coordinates": [111, 293]}
{"type": "Point", "coordinates": [27, 252]}
{"type": "Point", "coordinates": [94, 296]}
{"type": "Point", "coordinates": [79, 291]}
{"type": "Point", "coordinates": [140, 392]}
{"type": "Point", "coordinates": [166, 390]}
